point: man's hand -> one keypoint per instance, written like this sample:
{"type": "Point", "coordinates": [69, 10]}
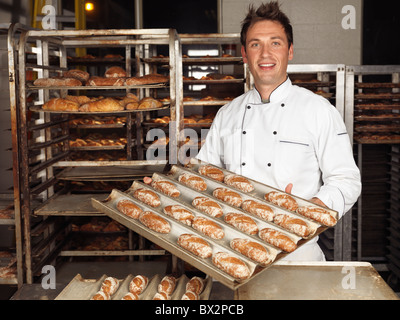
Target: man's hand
{"type": "Point", "coordinates": [315, 200]}
{"type": "Point", "coordinates": [147, 180]}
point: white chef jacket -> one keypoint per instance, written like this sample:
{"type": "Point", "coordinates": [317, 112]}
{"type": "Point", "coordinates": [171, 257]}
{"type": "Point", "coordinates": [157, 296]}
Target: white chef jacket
{"type": "Point", "coordinates": [297, 137]}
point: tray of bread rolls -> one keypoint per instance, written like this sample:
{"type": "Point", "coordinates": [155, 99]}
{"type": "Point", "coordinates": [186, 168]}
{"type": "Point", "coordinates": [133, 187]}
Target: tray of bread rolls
{"type": "Point", "coordinates": [216, 233]}
{"type": "Point", "coordinates": [137, 287]}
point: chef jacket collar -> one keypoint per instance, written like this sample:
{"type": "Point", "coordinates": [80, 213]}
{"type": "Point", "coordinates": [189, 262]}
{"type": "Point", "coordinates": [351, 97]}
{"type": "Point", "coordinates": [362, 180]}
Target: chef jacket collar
{"type": "Point", "coordinates": [278, 94]}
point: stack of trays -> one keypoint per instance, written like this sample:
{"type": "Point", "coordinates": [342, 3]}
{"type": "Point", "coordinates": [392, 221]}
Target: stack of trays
{"type": "Point", "coordinates": [169, 240]}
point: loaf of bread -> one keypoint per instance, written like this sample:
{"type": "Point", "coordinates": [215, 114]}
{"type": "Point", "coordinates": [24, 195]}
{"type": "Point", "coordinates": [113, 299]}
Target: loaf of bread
{"type": "Point", "coordinates": [239, 182]}
{"type": "Point", "coordinates": [277, 239]}
{"type": "Point", "coordinates": [130, 296]}
{"type": "Point", "coordinates": [295, 225]}
{"type": "Point", "coordinates": [208, 227]}
{"type": "Point", "coordinates": [101, 105]}
{"type": "Point", "coordinates": [110, 285]}
{"type": "Point", "coordinates": [318, 214]}
{"type": "Point", "coordinates": [57, 82]}
{"type": "Point", "coordinates": [166, 187]}
{"type": "Point", "coordinates": [78, 99]}
{"type": "Point", "coordinates": [208, 206]}
{"type": "Point", "coordinates": [147, 79]}
{"type": "Point", "coordinates": [282, 199]}
{"type": "Point", "coordinates": [179, 213]}
{"type": "Point", "coordinates": [231, 265]}
{"type": "Point", "coordinates": [149, 103]}
{"type": "Point", "coordinates": [252, 250]}
{"type": "Point", "coordinates": [129, 99]}
{"type": "Point", "coordinates": [211, 172]}
{"type": "Point", "coordinates": [228, 196]}
{"type": "Point", "coordinates": [138, 284]}
{"type": "Point", "coordinates": [100, 295]}
{"type": "Point", "coordinates": [195, 244]}
{"type": "Point", "coordinates": [161, 296]}
{"type": "Point", "coordinates": [167, 285]}
{"type": "Point", "coordinates": [241, 222]}
{"type": "Point", "coordinates": [259, 209]}
{"type": "Point", "coordinates": [78, 74]}
{"type": "Point", "coordinates": [190, 295]}
{"type": "Point", "coordinates": [195, 284]}
{"type": "Point", "coordinates": [193, 181]}
{"type": "Point", "coordinates": [103, 81]}
{"type": "Point", "coordinates": [154, 222]}
{"type": "Point", "coordinates": [60, 104]}
{"type": "Point", "coordinates": [147, 196]}
{"type": "Point", "coordinates": [115, 72]}
{"type": "Point", "coordinates": [129, 208]}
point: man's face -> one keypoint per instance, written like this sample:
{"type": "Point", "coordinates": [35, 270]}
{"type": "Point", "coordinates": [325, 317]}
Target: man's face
{"type": "Point", "coordinates": [267, 54]}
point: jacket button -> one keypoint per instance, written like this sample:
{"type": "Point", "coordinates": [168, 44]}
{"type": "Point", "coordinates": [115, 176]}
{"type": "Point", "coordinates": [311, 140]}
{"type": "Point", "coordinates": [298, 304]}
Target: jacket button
{"type": "Point", "coordinates": [244, 132]}
{"type": "Point", "coordinates": [274, 132]}
{"type": "Point", "coordinates": [248, 107]}
{"type": "Point", "coordinates": [243, 163]}
{"type": "Point", "coordinates": [282, 105]}
{"type": "Point", "coordinates": [269, 164]}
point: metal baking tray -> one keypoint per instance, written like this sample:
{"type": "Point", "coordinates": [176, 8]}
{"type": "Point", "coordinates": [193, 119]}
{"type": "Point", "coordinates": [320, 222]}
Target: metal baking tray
{"type": "Point", "coordinates": [80, 288]}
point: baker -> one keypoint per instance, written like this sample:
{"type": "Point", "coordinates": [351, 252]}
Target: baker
{"type": "Point", "coordinates": [280, 134]}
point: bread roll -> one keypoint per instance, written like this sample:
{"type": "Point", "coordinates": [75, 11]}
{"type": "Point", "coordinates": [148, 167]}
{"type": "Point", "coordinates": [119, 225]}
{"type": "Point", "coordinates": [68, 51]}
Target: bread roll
{"type": "Point", "coordinates": [167, 285]}
{"type": "Point", "coordinates": [259, 209]}
{"type": "Point", "coordinates": [161, 296]}
{"type": "Point", "coordinates": [179, 213]}
{"type": "Point", "coordinates": [57, 82]}
{"type": "Point", "coordinates": [166, 187]}
{"type": "Point", "coordinates": [103, 81]}
{"type": "Point", "coordinates": [129, 208]}
{"type": "Point", "coordinates": [100, 295]}
{"type": "Point", "coordinates": [196, 245]}
{"type": "Point", "coordinates": [190, 295]}
{"type": "Point", "coordinates": [295, 225]}
{"type": "Point", "coordinates": [110, 285]}
{"type": "Point", "coordinates": [231, 265]}
{"type": "Point", "coordinates": [60, 104]}
{"type": "Point", "coordinates": [282, 199]}
{"type": "Point", "coordinates": [130, 98]}
{"type": "Point", "coordinates": [228, 196]}
{"type": "Point", "coordinates": [192, 181]}
{"type": "Point", "coordinates": [208, 227]}
{"type": "Point", "coordinates": [130, 296]}
{"type": "Point", "coordinates": [101, 105]}
{"type": "Point", "coordinates": [211, 172]}
{"type": "Point", "coordinates": [149, 103]}
{"type": "Point", "coordinates": [239, 182]}
{"type": "Point", "coordinates": [208, 206]}
{"type": "Point", "coordinates": [252, 250]}
{"type": "Point", "coordinates": [241, 222]}
{"type": "Point", "coordinates": [277, 239]}
{"type": "Point", "coordinates": [78, 74]}
{"type": "Point", "coordinates": [138, 284]}
{"type": "Point", "coordinates": [154, 222]}
{"type": "Point", "coordinates": [78, 99]}
{"type": "Point", "coordinates": [195, 284]}
{"type": "Point", "coordinates": [318, 214]}
{"type": "Point", "coordinates": [147, 196]}
{"type": "Point", "coordinates": [115, 72]}
{"type": "Point", "coordinates": [147, 79]}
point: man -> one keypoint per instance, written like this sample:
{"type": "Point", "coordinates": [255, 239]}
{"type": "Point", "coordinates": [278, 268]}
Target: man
{"type": "Point", "coordinates": [280, 134]}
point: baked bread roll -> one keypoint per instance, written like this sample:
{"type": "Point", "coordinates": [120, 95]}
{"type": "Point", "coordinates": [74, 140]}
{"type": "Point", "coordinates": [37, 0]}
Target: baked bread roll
{"type": "Point", "coordinates": [167, 285]}
{"type": "Point", "coordinates": [277, 239]}
{"type": "Point", "coordinates": [149, 103]}
{"type": "Point", "coordinates": [78, 99]}
{"type": "Point", "coordinates": [130, 296]}
{"type": "Point", "coordinates": [166, 187]}
{"type": "Point", "coordinates": [78, 74]}
{"type": "Point", "coordinates": [195, 284]}
{"type": "Point", "coordinates": [208, 227]}
{"type": "Point", "coordinates": [101, 105]}
{"type": "Point", "coordinates": [154, 222]}
{"type": "Point", "coordinates": [161, 296]}
{"type": "Point", "coordinates": [239, 182]}
{"type": "Point", "coordinates": [318, 214]}
{"type": "Point", "coordinates": [208, 206]}
{"type": "Point", "coordinates": [179, 213]}
{"type": "Point", "coordinates": [196, 245]}
{"type": "Point", "coordinates": [146, 79]}
{"type": "Point", "coordinates": [282, 199]}
{"type": "Point", "coordinates": [60, 104]}
{"type": "Point", "coordinates": [295, 225]}
{"type": "Point", "coordinates": [138, 284]}
{"type": "Point", "coordinates": [192, 181]}
{"type": "Point", "coordinates": [211, 172]}
{"type": "Point", "coordinates": [231, 265]}
{"type": "Point", "coordinates": [228, 196]}
{"type": "Point", "coordinates": [190, 295]}
{"type": "Point", "coordinates": [129, 208]}
{"type": "Point", "coordinates": [100, 295]}
{"type": "Point", "coordinates": [130, 98]}
{"type": "Point", "coordinates": [252, 250]}
{"type": "Point", "coordinates": [103, 81]}
{"type": "Point", "coordinates": [115, 72]}
{"type": "Point", "coordinates": [57, 82]}
{"type": "Point", "coordinates": [241, 222]}
{"type": "Point", "coordinates": [110, 285]}
{"type": "Point", "coordinates": [259, 209]}
{"type": "Point", "coordinates": [147, 196]}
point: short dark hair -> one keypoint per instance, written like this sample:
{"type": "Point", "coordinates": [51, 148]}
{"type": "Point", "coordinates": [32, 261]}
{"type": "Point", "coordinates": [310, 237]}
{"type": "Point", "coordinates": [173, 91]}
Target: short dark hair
{"type": "Point", "coordinates": [267, 11]}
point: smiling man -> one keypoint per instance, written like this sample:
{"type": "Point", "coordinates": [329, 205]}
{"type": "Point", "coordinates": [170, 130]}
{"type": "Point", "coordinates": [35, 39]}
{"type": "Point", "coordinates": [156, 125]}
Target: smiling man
{"type": "Point", "coordinates": [280, 134]}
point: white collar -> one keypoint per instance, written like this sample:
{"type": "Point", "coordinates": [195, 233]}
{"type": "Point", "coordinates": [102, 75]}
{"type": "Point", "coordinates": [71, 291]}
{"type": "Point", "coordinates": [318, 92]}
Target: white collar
{"type": "Point", "coordinates": [279, 93]}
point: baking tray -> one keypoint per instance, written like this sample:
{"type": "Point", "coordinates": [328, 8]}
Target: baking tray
{"type": "Point", "coordinates": [40, 109]}
{"type": "Point", "coordinates": [80, 288]}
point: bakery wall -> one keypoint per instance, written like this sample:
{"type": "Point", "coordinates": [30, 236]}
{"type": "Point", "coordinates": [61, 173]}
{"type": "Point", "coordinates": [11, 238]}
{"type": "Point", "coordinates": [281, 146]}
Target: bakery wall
{"type": "Point", "coordinates": [322, 33]}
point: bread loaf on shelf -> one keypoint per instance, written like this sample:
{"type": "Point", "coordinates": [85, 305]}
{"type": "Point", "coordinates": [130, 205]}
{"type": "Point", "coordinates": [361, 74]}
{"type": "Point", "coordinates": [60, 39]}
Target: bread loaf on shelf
{"type": "Point", "coordinates": [318, 214]}
{"type": "Point", "coordinates": [212, 172]}
{"type": "Point", "coordinates": [147, 196]}
{"type": "Point", "coordinates": [241, 222]}
{"type": "Point", "coordinates": [101, 105]}
{"type": "Point", "coordinates": [78, 74]}
{"type": "Point", "coordinates": [79, 99]}
{"type": "Point", "coordinates": [129, 208]}
{"type": "Point", "coordinates": [154, 222]}
{"type": "Point", "coordinates": [103, 81]}
{"type": "Point", "coordinates": [57, 82]}
{"type": "Point", "coordinates": [231, 265]}
{"type": "Point", "coordinates": [115, 72]}
{"type": "Point", "coordinates": [228, 196]}
{"type": "Point", "coordinates": [259, 209]}
{"type": "Point", "coordinates": [208, 206]}
{"type": "Point", "coordinates": [60, 104]}
{"type": "Point", "coordinates": [208, 227]}
{"type": "Point", "coordinates": [147, 79]}
{"type": "Point", "coordinates": [195, 244]}
{"type": "Point", "coordinates": [277, 239]}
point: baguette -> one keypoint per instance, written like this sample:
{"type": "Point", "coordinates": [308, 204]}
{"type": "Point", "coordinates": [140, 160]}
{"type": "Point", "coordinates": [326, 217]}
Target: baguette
{"type": "Point", "coordinates": [282, 199]}
{"type": "Point", "coordinates": [259, 209]}
{"type": "Point", "coordinates": [57, 82]}
{"type": "Point", "coordinates": [193, 181]}
{"type": "Point", "coordinates": [252, 250]}
{"type": "Point", "coordinates": [231, 265]}
{"type": "Point", "coordinates": [101, 105]}
{"type": "Point", "coordinates": [228, 196]}
{"type": "Point", "coordinates": [211, 172]}
{"type": "Point", "coordinates": [295, 225]}
{"type": "Point", "coordinates": [242, 222]}
{"type": "Point", "coordinates": [179, 213]}
{"type": "Point", "coordinates": [129, 208]}
{"type": "Point", "coordinates": [60, 104]}
{"type": "Point", "coordinates": [154, 222]}
{"type": "Point", "coordinates": [166, 187]}
{"type": "Point", "coordinates": [196, 245]}
{"type": "Point", "coordinates": [318, 214]}
{"type": "Point", "coordinates": [138, 284]}
{"type": "Point", "coordinates": [147, 196]}
{"type": "Point", "coordinates": [208, 206]}
{"type": "Point", "coordinates": [238, 182]}
{"type": "Point", "coordinates": [208, 227]}
{"type": "Point", "coordinates": [277, 239]}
